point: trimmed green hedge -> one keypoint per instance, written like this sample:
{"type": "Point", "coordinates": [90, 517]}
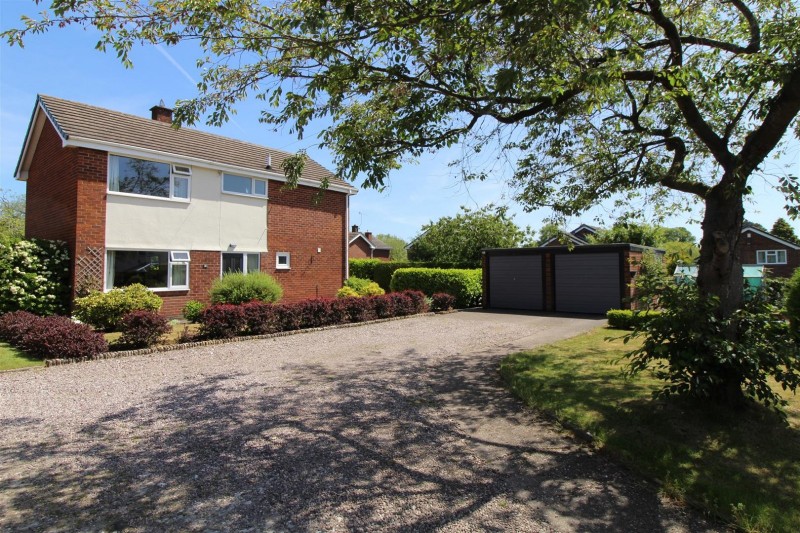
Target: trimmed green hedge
{"type": "Point", "coordinates": [627, 319]}
{"type": "Point", "coordinates": [381, 271]}
{"type": "Point", "coordinates": [464, 284]}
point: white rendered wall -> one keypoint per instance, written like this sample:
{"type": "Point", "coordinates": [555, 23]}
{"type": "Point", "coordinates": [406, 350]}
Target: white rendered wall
{"type": "Point", "coordinates": [211, 220]}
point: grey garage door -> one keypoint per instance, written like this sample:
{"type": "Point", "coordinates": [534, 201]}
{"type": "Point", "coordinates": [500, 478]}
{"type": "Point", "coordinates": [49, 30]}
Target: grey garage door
{"type": "Point", "coordinates": [515, 282]}
{"type": "Point", "coordinates": [587, 283]}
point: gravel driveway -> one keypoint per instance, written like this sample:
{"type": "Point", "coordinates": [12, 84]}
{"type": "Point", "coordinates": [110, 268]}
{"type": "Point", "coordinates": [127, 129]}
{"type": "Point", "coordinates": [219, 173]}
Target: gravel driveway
{"type": "Point", "coordinates": [398, 426]}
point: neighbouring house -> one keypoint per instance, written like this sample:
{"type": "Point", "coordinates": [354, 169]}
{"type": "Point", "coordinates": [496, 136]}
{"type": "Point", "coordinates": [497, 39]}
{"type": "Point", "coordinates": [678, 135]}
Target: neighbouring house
{"type": "Point", "coordinates": [578, 237]}
{"type": "Point", "coordinates": [757, 247]}
{"type": "Point", "coordinates": [138, 200]}
{"type": "Point", "coordinates": [363, 244]}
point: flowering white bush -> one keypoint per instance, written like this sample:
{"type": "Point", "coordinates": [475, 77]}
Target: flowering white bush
{"type": "Point", "coordinates": [34, 276]}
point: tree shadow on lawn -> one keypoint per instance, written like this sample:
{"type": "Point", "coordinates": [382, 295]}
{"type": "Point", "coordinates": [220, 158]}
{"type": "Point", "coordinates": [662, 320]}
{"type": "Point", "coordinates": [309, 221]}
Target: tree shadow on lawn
{"type": "Point", "coordinates": [400, 445]}
{"type": "Point", "coordinates": [705, 453]}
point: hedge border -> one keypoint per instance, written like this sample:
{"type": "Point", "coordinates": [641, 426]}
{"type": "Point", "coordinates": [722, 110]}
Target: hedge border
{"type": "Point", "coordinates": [212, 342]}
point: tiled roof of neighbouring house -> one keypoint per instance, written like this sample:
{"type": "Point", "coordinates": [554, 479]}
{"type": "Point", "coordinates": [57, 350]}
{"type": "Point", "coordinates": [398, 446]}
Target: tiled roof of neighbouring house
{"type": "Point", "coordinates": [77, 121]}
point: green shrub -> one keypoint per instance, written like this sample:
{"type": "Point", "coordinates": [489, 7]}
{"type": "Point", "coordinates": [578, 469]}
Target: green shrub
{"type": "Point", "coordinates": [464, 284]}
{"type": "Point", "coordinates": [364, 268]}
{"type": "Point", "coordinates": [381, 271]}
{"type": "Point", "coordinates": [191, 311]}
{"type": "Point", "coordinates": [793, 302]}
{"type": "Point", "coordinates": [34, 277]}
{"type": "Point", "coordinates": [346, 292]}
{"type": "Point", "coordinates": [700, 355]}
{"type": "Point", "coordinates": [238, 288]}
{"type": "Point", "coordinates": [104, 310]}
{"type": "Point", "coordinates": [364, 287]}
{"type": "Point", "coordinates": [627, 319]}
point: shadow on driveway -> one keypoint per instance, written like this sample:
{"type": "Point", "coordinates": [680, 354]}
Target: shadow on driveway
{"type": "Point", "coordinates": [409, 444]}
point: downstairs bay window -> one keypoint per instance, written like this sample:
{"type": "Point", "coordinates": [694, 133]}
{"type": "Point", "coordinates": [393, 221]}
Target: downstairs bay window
{"type": "Point", "coordinates": [153, 269]}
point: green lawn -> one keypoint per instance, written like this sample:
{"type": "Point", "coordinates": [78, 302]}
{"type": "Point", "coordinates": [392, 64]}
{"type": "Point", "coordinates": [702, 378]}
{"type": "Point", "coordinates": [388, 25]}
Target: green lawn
{"type": "Point", "coordinates": [11, 358]}
{"type": "Point", "coordinates": [744, 467]}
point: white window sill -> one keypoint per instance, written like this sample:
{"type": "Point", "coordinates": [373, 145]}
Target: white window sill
{"type": "Point", "coordinates": [159, 198]}
{"type": "Point", "coordinates": [282, 268]}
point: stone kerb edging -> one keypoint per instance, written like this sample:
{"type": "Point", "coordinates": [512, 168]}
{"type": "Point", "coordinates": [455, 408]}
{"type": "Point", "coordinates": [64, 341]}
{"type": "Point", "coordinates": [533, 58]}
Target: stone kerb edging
{"type": "Point", "coordinates": [185, 345]}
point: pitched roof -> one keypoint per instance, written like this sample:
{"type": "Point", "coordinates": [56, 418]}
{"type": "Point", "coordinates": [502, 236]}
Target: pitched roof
{"type": "Point", "coordinates": [95, 127]}
{"type": "Point", "coordinates": [784, 242]}
{"type": "Point", "coordinates": [374, 242]}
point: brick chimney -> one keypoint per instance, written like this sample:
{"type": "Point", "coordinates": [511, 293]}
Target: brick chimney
{"type": "Point", "coordinates": [354, 229]}
{"type": "Point", "coordinates": [161, 113]}
{"type": "Point", "coordinates": [368, 235]}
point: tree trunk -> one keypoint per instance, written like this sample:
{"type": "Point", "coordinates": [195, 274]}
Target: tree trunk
{"type": "Point", "coordinates": [720, 273]}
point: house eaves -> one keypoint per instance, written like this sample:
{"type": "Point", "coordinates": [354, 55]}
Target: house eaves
{"type": "Point", "coordinates": [772, 237]}
{"type": "Point", "coordinates": [83, 125]}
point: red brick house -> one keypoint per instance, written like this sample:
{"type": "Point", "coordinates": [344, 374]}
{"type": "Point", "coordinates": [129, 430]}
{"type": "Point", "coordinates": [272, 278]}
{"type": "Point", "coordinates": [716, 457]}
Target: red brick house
{"type": "Point", "coordinates": [757, 247]}
{"type": "Point", "coordinates": [365, 245]}
{"type": "Point", "coordinates": [140, 201]}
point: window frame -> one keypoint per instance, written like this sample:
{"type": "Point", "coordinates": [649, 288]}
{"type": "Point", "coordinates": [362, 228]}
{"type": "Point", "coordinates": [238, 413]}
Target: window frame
{"type": "Point", "coordinates": [173, 176]}
{"type": "Point", "coordinates": [252, 186]}
{"type": "Point", "coordinates": [170, 287]}
{"type": "Point", "coordinates": [244, 255]}
{"type": "Point", "coordinates": [278, 265]}
{"type": "Point", "coordinates": [766, 256]}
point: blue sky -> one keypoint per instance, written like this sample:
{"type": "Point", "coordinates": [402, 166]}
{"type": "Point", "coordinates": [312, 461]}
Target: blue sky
{"type": "Point", "coordinates": [63, 63]}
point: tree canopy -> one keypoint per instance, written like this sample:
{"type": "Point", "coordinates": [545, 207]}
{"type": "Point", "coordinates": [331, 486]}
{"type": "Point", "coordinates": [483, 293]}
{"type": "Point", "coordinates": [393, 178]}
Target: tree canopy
{"type": "Point", "coordinates": [12, 217]}
{"type": "Point", "coordinates": [587, 100]}
{"type": "Point", "coordinates": [459, 240]}
{"type": "Point", "coordinates": [784, 230]}
{"type": "Point", "coordinates": [397, 244]}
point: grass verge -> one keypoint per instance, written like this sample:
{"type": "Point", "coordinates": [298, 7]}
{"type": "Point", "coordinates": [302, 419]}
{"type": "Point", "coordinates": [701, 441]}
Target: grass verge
{"type": "Point", "coordinates": [11, 358]}
{"type": "Point", "coordinates": [744, 466]}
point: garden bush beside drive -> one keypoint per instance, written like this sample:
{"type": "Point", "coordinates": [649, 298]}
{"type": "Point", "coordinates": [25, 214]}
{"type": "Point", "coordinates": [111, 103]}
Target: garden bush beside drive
{"type": "Point", "coordinates": [34, 276]}
{"type": "Point", "coordinates": [464, 284]}
{"type": "Point", "coordinates": [191, 311]}
{"type": "Point", "coordinates": [105, 310]}
{"type": "Point", "coordinates": [259, 318]}
{"type": "Point", "coordinates": [793, 302]}
{"type": "Point", "coordinates": [238, 288]}
{"type": "Point", "coordinates": [142, 329]}
{"type": "Point", "coordinates": [51, 336]}
{"type": "Point", "coordinates": [354, 286]}
{"type": "Point", "coordinates": [627, 319]}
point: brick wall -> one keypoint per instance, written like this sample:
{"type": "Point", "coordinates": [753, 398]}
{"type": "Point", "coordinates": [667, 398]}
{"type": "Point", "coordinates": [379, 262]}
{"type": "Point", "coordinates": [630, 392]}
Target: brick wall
{"type": "Point", "coordinates": [65, 197]}
{"type": "Point", "coordinates": [748, 246]}
{"type": "Point", "coordinates": [359, 249]}
{"type": "Point", "coordinates": [203, 270]}
{"type": "Point", "coordinates": [298, 226]}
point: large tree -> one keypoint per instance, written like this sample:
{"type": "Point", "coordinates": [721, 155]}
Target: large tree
{"type": "Point", "coordinates": [12, 217]}
{"type": "Point", "coordinates": [459, 240]}
{"type": "Point", "coordinates": [589, 99]}
{"type": "Point", "coordinates": [784, 230]}
{"type": "Point", "coordinates": [398, 246]}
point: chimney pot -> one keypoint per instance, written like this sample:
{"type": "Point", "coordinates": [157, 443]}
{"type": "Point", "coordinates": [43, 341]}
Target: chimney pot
{"type": "Point", "coordinates": [161, 113]}
{"type": "Point", "coordinates": [355, 228]}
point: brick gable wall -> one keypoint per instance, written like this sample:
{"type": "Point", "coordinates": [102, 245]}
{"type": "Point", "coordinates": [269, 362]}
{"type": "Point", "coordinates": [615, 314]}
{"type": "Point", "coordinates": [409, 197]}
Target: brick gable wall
{"type": "Point", "coordinates": [359, 249]}
{"type": "Point", "coordinates": [297, 225]}
{"type": "Point", "coordinates": [749, 246]}
{"type": "Point", "coordinates": [65, 199]}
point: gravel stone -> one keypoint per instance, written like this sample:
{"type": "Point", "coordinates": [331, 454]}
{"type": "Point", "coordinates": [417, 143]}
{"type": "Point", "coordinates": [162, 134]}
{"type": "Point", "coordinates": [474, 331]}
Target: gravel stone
{"type": "Point", "coordinates": [397, 426]}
